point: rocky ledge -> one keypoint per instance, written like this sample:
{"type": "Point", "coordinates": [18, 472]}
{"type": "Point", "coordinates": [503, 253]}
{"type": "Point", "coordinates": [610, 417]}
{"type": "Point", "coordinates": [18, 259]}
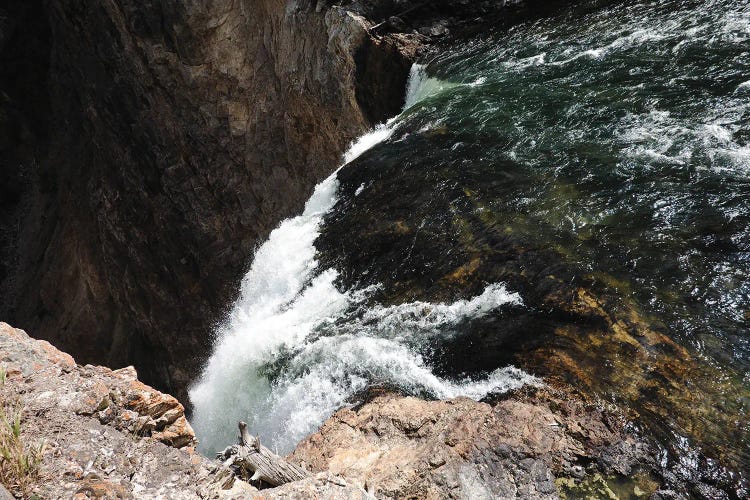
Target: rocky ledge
{"type": "Point", "coordinates": [104, 433]}
{"type": "Point", "coordinates": [538, 442]}
{"type": "Point", "coordinates": [107, 435]}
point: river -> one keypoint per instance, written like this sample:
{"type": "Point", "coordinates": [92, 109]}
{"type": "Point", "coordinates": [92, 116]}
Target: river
{"type": "Point", "coordinates": [575, 187]}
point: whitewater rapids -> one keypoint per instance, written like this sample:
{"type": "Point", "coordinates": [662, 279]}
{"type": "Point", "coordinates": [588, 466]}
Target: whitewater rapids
{"type": "Point", "coordinates": [295, 348]}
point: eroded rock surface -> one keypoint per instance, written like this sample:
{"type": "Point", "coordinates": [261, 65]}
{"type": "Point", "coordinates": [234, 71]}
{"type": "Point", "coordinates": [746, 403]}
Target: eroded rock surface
{"type": "Point", "coordinates": [323, 485]}
{"type": "Point", "coordinates": [106, 434]}
{"type": "Point", "coordinates": [404, 447]}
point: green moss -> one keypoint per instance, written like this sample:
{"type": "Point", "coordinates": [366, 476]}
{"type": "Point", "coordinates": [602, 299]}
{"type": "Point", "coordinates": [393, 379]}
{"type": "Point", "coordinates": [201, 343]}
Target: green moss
{"type": "Point", "coordinates": [597, 487]}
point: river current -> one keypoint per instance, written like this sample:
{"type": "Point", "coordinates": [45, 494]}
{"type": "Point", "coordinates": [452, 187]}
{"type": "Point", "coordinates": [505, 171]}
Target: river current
{"type": "Point", "coordinates": [616, 140]}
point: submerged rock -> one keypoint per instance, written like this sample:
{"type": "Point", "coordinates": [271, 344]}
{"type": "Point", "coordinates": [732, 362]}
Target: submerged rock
{"type": "Point", "coordinates": [449, 242]}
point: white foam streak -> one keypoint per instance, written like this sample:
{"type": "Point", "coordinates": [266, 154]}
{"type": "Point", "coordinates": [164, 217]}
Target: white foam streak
{"type": "Point", "coordinates": [419, 318]}
{"type": "Point", "coordinates": [334, 368]}
{"type": "Point", "coordinates": [319, 345]}
{"type": "Point", "coordinates": [275, 309]}
{"type": "Point", "coordinates": [381, 133]}
{"type": "Point", "coordinates": [381, 345]}
{"type": "Point", "coordinates": [659, 137]}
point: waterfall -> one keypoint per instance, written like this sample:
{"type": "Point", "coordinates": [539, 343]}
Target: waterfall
{"type": "Point", "coordinates": [295, 348]}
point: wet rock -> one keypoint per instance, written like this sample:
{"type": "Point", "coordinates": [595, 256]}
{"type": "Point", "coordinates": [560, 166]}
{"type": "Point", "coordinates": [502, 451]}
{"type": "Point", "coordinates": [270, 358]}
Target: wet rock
{"type": "Point", "coordinates": [439, 30]}
{"type": "Point", "coordinates": [397, 24]}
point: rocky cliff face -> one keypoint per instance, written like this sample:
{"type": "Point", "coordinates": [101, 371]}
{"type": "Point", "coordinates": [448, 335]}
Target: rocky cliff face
{"type": "Point", "coordinates": [179, 135]}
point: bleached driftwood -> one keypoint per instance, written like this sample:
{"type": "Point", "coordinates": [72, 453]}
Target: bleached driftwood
{"type": "Point", "coordinates": [257, 462]}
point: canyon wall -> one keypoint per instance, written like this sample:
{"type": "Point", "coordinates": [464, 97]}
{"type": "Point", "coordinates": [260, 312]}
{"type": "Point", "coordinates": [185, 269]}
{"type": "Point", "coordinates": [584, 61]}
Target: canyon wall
{"type": "Point", "coordinates": [147, 147]}
{"type": "Point", "coordinates": [179, 134]}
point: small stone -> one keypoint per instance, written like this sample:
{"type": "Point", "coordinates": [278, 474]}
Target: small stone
{"type": "Point", "coordinates": [438, 30]}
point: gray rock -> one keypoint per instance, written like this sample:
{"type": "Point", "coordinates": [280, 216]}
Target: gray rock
{"type": "Point", "coordinates": [460, 448]}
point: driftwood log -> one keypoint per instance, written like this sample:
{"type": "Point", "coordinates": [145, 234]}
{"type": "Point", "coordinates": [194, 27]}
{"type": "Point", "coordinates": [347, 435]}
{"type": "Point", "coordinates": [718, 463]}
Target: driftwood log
{"type": "Point", "coordinates": [257, 463]}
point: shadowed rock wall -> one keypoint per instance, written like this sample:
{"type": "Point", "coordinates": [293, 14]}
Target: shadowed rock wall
{"type": "Point", "coordinates": [180, 134]}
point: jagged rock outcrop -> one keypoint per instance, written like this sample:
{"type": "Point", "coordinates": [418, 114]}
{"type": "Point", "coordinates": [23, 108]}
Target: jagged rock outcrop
{"type": "Point", "coordinates": [105, 434]}
{"type": "Point", "coordinates": [116, 397]}
{"type": "Point", "coordinates": [533, 444]}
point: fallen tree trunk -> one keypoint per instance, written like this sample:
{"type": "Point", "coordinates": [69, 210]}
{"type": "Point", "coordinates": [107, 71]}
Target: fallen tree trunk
{"type": "Point", "coordinates": [257, 463]}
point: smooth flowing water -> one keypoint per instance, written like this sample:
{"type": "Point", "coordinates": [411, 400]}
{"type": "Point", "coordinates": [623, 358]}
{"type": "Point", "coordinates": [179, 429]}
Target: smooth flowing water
{"type": "Point", "coordinates": [626, 134]}
{"type": "Point", "coordinates": [614, 144]}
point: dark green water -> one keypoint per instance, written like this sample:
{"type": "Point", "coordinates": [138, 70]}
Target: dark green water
{"type": "Point", "coordinates": [607, 149]}
{"type": "Point", "coordinates": [625, 135]}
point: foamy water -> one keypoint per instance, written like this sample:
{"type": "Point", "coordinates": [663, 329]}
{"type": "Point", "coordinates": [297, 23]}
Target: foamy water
{"type": "Point", "coordinates": [295, 348]}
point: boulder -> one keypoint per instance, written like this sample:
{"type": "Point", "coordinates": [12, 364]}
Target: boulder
{"type": "Point", "coordinates": [404, 447]}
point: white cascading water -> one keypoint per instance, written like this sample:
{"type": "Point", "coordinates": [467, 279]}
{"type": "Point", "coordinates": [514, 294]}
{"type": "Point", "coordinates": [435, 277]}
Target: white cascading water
{"type": "Point", "coordinates": [294, 348]}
